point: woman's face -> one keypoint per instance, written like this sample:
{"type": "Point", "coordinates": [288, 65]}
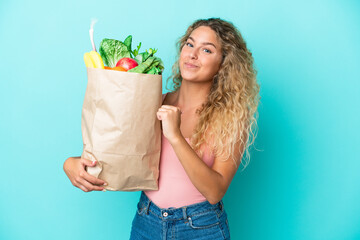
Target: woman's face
{"type": "Point", "coordinates": [201, 56]}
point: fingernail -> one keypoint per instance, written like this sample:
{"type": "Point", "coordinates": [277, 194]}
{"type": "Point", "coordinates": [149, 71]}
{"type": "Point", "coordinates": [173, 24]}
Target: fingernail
{"type": "Point", "coordinates": [93, 162]}
{"type": "Point", "coordinates": [105, 184]}
{"type": "Point", "coordinates": [104, 190]}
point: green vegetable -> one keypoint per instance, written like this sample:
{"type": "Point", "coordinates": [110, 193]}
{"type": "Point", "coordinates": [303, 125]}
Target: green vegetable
{"type": "Point", "coordinates": [142, 57]}
{"type": "Point", "coordinates": [160, 66]}
{"type": "Point", "coordinates": [112, 51]}
{"type": "Point", "coordinates": [127, 42]}
{"type": "Point", "coordinates": [143, 66]}
{"type": "Point", "coordinates": [136, 51]}
{"type": "Point", "coordinates": [154, 70]}
{"type": "Point", "coordinates": [152, 65]}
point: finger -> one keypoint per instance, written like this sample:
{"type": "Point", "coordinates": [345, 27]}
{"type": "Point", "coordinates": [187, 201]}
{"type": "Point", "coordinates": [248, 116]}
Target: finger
{"type": "Point", "coordinates": [171, 108]}
{"type": "Point", "coordinates": [87, 162]}
{"type": "Point", "coordinates": [82, 187]}
{"type": "Point", "coordinates": [162, 114]}
{"type": "Point", "coordinates": [88, 186]}
{"type": "Point", "coordinates": [167, 110]}
{"type": "Point", "coordinates": [93, 180]}
{"type": "Point", "coordinates": [94, 187]}
{"type": "Point", "coordinates": [159, 116]}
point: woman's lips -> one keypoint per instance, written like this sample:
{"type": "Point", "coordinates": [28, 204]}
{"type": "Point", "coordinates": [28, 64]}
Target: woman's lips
{"type": "Point", "coordinates": [189, 65]}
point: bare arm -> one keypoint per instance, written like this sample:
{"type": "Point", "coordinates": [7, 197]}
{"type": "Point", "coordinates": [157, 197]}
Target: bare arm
{"type": "Point", "coordinates": [212, 182]}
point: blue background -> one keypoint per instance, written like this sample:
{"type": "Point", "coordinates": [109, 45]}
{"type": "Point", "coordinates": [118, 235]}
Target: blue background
{"type": "Point", "coordinates": [303, 180]}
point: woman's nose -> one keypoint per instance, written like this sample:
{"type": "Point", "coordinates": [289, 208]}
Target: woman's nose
{"type": "Point", "coordinates": [193, 54]}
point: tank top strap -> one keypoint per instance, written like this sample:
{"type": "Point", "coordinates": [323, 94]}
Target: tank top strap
{"type": "Point", "coordinates": [163, 97]}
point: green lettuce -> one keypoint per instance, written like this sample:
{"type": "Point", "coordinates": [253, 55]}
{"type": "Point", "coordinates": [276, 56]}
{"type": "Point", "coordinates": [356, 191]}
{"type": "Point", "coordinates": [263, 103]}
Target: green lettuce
{"type": "Point", "coordinates": [111, 51]}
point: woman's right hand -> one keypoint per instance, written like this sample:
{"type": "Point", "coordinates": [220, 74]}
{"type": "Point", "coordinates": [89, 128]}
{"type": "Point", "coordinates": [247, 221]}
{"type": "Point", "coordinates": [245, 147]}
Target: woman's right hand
{"type": "Point", "coordinates": [74, 168]}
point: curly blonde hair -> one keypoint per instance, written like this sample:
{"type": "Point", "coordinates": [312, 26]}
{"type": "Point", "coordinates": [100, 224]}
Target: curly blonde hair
{"type": "Point", "coordinates": [228, 119]}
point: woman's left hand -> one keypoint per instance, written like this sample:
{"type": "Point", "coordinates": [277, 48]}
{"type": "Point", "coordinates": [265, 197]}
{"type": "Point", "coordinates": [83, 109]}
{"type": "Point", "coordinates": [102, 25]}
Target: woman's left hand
{"type": "Point", "coordinates": [170, 118]}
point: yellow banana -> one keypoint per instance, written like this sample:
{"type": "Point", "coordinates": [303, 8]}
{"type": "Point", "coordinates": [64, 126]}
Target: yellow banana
{"type": "Point", "coordinates": [89, 62]}
{"type": "Point", "coordinates": [97, 59]}
{"type": "Point", "coordinates": [93, 60]}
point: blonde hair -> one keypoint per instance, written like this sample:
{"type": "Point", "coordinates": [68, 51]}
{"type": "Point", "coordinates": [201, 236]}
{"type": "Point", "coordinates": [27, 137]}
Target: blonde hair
{"type": "Point", "coordinates": [229, 116]}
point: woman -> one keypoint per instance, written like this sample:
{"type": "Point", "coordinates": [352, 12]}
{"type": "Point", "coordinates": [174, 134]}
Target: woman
{"type": "Point", "coordinates": [207, 123]}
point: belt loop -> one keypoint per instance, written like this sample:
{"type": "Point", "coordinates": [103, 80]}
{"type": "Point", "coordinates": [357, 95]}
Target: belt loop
{"type": "Point", "coordinates": [184, 213]}
{"type": "Point", "coordinates": [147, 207]}
{"type": "Point", "coordinates": [221, 205]}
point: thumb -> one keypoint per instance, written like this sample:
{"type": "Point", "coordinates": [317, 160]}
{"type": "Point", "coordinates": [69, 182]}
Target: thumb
{"type": "Point", "coordinates": [87, 162]}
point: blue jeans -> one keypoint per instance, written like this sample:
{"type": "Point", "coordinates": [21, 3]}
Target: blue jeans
{"type": "Point", "coordinates": [196, 221]}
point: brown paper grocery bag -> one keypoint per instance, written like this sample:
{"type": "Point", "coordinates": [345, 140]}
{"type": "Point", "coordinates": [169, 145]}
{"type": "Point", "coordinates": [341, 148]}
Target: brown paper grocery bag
{"type": "Point", "coordinates": [120, 129]}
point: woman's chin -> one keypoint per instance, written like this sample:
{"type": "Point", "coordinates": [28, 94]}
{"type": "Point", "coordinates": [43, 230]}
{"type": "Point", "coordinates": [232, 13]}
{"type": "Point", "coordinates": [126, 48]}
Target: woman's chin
{"type": "Point", "coordinates": [188, 78]}
{"type": "Point", "coordinates": [186, 75]}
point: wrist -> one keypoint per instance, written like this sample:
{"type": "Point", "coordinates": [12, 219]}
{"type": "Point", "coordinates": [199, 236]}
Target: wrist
{"type": "Point", "coordinates": [176, 139]}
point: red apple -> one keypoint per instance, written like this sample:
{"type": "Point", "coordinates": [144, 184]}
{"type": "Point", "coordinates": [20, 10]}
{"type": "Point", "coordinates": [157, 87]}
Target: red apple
{"type": "Point", "coordinates": [127, 63]}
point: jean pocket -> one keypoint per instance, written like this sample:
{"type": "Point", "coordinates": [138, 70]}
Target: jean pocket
{"type": "Point", "coordinates": [204, 220]}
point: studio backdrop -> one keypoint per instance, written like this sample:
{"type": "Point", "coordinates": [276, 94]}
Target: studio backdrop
{"type": "Point", "coordinates": [303, 178]}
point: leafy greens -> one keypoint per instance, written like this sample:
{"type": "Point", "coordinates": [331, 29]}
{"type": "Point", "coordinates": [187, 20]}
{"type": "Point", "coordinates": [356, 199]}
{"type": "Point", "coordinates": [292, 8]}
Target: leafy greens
{"type": "Point", "coordinates": [112, 51]}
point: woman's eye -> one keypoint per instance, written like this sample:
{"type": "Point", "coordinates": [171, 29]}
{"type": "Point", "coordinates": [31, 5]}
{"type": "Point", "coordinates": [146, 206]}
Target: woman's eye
{"type": "Point", "coordinates": [189, 44]}
{"type": "Point", "coordinates": [207, 50]}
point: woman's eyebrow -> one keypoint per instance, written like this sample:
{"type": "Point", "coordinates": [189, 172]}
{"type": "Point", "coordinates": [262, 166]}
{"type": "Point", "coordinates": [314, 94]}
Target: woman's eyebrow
{"type": "Point", "coordinates": [204, 43]}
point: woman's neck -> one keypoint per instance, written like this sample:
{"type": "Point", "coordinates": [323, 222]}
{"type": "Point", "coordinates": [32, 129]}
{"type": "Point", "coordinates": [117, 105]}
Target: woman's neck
{"type": "Point", "coordinates": [191, 96]}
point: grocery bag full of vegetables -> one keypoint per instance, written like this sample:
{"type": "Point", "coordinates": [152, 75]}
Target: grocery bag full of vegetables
{"type": "Point", "coordinates": [119, 125]}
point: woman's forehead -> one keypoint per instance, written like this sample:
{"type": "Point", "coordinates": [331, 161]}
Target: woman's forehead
{"type": "Point", "coordinates": [204, 34]}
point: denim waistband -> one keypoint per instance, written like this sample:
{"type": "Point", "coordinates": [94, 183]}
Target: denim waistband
{"type": "Point", "coordinates": [147, 206]}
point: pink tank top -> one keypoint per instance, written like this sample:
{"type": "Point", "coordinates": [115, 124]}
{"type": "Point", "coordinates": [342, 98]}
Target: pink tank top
{"type": "Point", "coordinates": [175, 188]}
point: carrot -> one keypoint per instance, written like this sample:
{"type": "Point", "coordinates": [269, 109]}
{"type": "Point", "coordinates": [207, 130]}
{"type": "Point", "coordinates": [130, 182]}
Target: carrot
{"type": "Point", "coordinates": [119, 69]}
